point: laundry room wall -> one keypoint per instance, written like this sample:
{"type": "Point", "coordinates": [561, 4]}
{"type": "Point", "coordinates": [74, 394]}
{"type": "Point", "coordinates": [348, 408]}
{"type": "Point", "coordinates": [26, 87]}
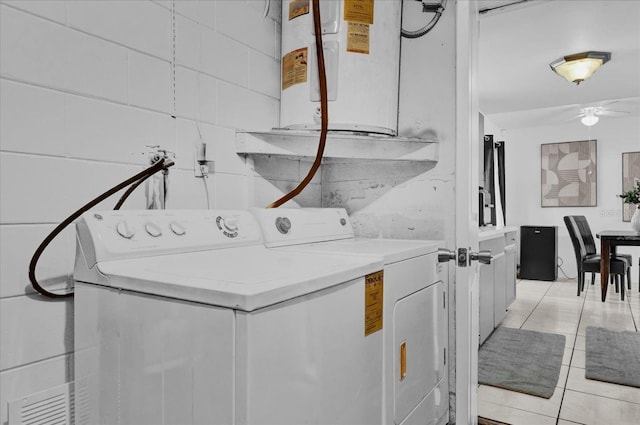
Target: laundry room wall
{"type": "Point", "coordinates": [409, 200]}
{"type": "Point", "coordinates": [277, 176]}
{"type": "Point", "coordinates": [85, 87]}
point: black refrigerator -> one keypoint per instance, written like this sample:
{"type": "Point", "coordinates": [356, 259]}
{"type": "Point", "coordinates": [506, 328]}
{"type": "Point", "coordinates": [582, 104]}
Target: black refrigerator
{"type": "Point", "coordinates": [539, 252]}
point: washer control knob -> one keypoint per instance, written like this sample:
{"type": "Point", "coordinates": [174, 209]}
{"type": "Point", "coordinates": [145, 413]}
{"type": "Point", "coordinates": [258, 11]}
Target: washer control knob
{"type": "Point", "coordinates": [228, 226]}
{"type": "Point", "coordinates": [231, 224]}
{"type": "Point", "coordinates": [343, 221]}
{"type": "Point", "coordinates": [153, 230]}
{"type": "Point", "coordinates": [125, 230]}
{"type": "Point", "coordinates": [177, 228]}
{"type": "Point", "coordinates": [283, 224]}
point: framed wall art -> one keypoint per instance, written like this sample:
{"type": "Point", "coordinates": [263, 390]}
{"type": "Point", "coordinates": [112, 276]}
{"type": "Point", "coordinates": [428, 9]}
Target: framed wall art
{"type": "Point", "coordinates": [569, 174]}
{"type": "Point", "coordinates": [630, 172]}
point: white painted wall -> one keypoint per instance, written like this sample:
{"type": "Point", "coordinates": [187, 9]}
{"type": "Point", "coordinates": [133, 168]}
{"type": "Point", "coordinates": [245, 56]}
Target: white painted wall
{"type": "Point", "coordinates": [84, 86]}
{"type": "Point", "coordinates": [522, 152]}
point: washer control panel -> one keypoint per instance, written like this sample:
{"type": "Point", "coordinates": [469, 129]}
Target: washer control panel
{"type": "Point", "coordinates": [228, 226]}
{"type": "Point", "coordinates": [110, 235]}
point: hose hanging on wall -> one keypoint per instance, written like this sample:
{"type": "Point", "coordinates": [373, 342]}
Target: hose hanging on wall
{"type": "Point", "coordinates": [437, 8]}
{"type": "Point", "coordinates": [324, 114]}
{"type": "Point", "coordinates": [134, 181]}
{"type": "Point", "coordinates": [130, 190]}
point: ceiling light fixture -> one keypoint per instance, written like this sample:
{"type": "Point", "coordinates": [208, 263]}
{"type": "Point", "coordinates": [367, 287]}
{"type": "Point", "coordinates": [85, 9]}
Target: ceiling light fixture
{"type": "Point", "coordinates": [590, 118]}
{"type": "Point", "coordinates": [580, 66]}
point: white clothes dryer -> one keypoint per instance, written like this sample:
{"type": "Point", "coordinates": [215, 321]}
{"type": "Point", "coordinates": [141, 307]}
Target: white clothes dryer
{"type": "Point", "coordinates": [415, 313]}
{"type": "Point", "coordinates": [185, 317]}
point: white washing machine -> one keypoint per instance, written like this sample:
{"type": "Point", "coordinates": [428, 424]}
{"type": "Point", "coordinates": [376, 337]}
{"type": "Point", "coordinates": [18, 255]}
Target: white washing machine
{"type": "Point", "coordinates": [414, 322]}
{"type": "Point", "coordinates": [184, 317]}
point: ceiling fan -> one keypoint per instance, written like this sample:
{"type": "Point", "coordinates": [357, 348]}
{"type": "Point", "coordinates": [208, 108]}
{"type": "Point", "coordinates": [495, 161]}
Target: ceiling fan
{"type": "Point", "coordinates": [590, 115]}
{"type": "Point", "coordinates": [562, 114]}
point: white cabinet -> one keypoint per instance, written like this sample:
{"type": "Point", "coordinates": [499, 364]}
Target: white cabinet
{"type": "Point", "coordinates": [486, 301]}
{"type": "Point", "coordinates": [492, 282]}
{"type": "Point", "coordinates": [498, 279]}
{"type": "Point", "coordinates": [499, 285]}
{"type": "Point", "coordinates": [510, 252]}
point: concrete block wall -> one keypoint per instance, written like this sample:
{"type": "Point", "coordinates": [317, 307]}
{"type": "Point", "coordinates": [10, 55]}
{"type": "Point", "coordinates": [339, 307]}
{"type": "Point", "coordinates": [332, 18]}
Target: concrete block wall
{"type": "Point", "coordinates": [275, 176]}
{"type": "Point", "coordinates": [389, 199]}
{"type": "Point", "coordinates": [413, 201]}
{"type": "Point", "coordinates": [84, 87]}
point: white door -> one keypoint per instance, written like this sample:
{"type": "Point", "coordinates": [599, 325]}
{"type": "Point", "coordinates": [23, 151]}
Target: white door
{"type": "Point", "coordinates": [467, 163]}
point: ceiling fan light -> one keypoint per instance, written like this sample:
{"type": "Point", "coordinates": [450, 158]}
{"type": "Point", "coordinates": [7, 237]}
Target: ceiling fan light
{"type": "Point", "coordinates": [580, 66]}
{"type": "Point", "coordinates": [589, 120]}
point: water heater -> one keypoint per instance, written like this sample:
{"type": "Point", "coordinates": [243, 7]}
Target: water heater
{"type": "Point", "coordinates": [361, 44]}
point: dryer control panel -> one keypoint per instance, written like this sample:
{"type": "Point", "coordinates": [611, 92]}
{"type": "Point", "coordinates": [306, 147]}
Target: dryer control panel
{"type": "Point", "coordinates": [119, 234]}
{"type": "Point", "coordinates": [293, 226]}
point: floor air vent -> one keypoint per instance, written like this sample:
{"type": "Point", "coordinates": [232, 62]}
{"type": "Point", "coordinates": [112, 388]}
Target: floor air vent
{"type": "Point", "coordinates": [49, 407]}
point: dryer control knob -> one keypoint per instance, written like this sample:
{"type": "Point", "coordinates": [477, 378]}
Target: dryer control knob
{"type": "Point", "coordinates": [125, 230]}
{"type": "Point", "coordinates": [283, 224]}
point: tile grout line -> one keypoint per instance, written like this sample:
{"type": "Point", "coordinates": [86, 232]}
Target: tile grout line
{"type": "Point", "coordinates": [601, 396]}
{"type": "Point", "coordinates": [633, 319]}
{"type": "Point", "coordinates": [533, 412]}
{"type": "Point", "coordinates": [536, 306]}
{"type": "Point", "coordinates": [573, 349]}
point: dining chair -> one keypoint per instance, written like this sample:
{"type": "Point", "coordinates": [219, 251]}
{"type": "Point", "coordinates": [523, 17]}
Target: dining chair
{"type": "Point", "coordinates": [587, 258]}
{"type": "Point", "coordinates": [588, 236]}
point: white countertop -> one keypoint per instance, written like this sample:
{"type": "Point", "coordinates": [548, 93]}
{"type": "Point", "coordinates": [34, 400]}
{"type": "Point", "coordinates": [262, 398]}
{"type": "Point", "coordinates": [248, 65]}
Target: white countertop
{"type": "Point", "coordinates": [492, 232]}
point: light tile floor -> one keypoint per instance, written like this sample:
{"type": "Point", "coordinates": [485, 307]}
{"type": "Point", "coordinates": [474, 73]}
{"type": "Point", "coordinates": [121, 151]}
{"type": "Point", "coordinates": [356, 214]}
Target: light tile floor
{"type": "Point", "coordinates": [555, 307]}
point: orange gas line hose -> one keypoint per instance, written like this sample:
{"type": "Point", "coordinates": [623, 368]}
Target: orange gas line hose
{"type": "Point", "coordinates": [324, 114]}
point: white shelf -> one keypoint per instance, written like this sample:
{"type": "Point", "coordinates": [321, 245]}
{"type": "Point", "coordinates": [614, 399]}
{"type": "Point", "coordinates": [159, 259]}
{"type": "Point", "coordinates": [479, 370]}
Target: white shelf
{"type": "Point", "coordinates": [340, 146]}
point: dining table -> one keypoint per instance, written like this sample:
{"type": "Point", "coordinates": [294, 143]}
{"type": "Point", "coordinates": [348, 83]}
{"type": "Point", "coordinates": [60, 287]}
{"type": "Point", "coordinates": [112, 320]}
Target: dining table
{"type": "Point", "coordinates": [609, 240]}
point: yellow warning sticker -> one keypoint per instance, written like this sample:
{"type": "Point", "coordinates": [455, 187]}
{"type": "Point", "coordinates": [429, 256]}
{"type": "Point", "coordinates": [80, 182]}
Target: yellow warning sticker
{"type": "Point", "coordinates": [358, 38]}
{"type": "Point", "coordinates": [294, 68]}
{"type": "Point", "coordinates": [298, 8]}
{"type": "Point", "coordinates": [358, 11]}
{"type": "Point", "coordinates": [373, 301]}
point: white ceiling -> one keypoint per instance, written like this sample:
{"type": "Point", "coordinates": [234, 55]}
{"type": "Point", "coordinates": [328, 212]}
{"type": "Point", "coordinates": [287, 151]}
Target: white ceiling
{"type": "Point", "coordinates": [518, 41]}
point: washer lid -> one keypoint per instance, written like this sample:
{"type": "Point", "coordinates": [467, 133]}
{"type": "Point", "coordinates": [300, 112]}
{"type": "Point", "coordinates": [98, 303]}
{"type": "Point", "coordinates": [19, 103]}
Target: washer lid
{"type": "Point", "coordinates": [391, 250]}
{"type": "Point", "coordinates": [245, 278]}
